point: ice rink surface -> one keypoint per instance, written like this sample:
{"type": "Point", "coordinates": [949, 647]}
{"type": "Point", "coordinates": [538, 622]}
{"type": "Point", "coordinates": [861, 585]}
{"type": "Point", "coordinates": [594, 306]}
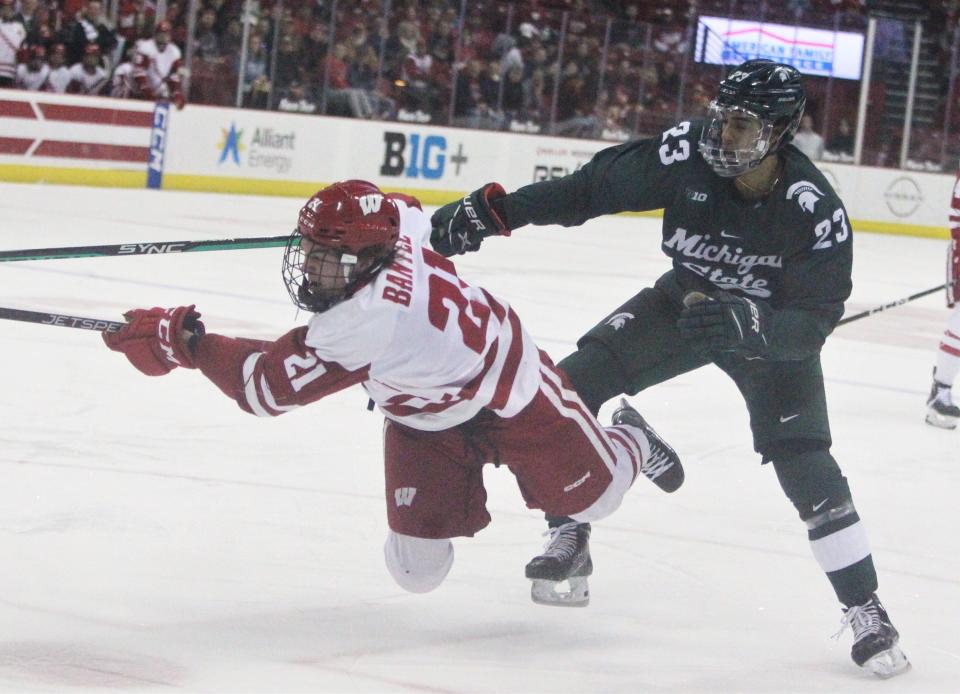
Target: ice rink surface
{"type": "Point", "coordinates": [155, 537]}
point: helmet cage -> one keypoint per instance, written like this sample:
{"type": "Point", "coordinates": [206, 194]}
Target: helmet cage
{"type": "Point", "coordinates": [750, 148]}
{"type": "Point", "coordinates": [327, 276]}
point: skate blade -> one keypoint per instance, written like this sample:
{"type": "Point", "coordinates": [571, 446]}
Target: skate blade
{"type": "Point", "coordinates": [573, 592]}
{"type": "Point", "coordinates": [942, 421]}
{"type": "Point", "coordinates": [888, 663]}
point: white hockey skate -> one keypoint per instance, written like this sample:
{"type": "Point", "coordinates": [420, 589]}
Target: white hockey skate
{"type": "Point", "coordinates": [941, 412]}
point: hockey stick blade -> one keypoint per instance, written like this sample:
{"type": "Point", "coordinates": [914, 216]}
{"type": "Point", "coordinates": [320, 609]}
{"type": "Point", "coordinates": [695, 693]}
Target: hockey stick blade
{"type": "Point", "coordinates": [149, 248]}
{"type": "Point", "coordinates": [893, 304]}
{"type": "Point", "coordinates": [61, 320]}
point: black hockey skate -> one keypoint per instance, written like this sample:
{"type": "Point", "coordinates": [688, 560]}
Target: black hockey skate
{"type": "Point", "coordinates": [663, 467]}
{"type": "Point", "coordinates": [559, 575]}
{"type": "Point", "coordinates": [875, 640]}
{"type": "Point", "coordinates": [941, 412]}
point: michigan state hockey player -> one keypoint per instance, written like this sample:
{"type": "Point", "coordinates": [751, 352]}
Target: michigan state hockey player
{"type": "Point", "coordinates": [761, 252]}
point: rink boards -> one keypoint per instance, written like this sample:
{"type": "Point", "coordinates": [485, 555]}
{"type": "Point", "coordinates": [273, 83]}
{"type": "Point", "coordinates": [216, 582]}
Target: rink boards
{"type": "Point", "coordinates": [56, 138]}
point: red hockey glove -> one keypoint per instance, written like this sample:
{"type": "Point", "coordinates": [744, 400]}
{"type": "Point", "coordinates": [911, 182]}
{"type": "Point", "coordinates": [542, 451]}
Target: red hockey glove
{"type": "Point", "coordinates": [461, 226]}
{"type": "Point", "coordinates": [724, 323]}
{"type": "Point", "coordinates": [178, 100]}
{"type": "Point", "coordinates": [953, 271]}
{"type": "Point", "coordinates": [154, 340]}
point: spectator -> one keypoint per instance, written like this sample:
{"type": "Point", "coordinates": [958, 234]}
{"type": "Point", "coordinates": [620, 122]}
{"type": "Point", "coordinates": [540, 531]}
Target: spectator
{"type": "Point", "coordinates": [444, 36]}
{"type": "Point", "coordinates": [842, 142]}
{"type": "Point", "coordinates": [44, 24]}
{"type": "Point", "coordinates": [575, 105]}
{"type": "Point", "coordinates": [513, 103]}
{"type": "Point", "coordinates": [178, 22]}
{"type": "Point", "coordinates": [585, 53]}
{"type": "Point", "coordinates": [628, 31]}
{"type": "Point", "coordinates": [296, 100]}
{"type": "Point", "coordinates": [490, 89]}
{"type": "Point", "coordinates": [668, 81]}
{"type": "Point", "coordinates": [536, 59]}
{"type": "Point", "coordinates": [224, 12]}
{"type": "Point", "coordinates": [135, 20]}
{"type": "Point", "coordinates": [207, 45]}
{"type": "Point", "coordinates": [156, 70]}
{"type": "Point", "coordinates": [59, 78]}
{"type": "Point", "coordinates": [288, 64]}
{"type": "Point", "coordinates": [808, 141]}
{"type": "Point", "coordinates": [314, 48]}
{"type": "Point", "coordinates": [466, 93]}
{"type": "Point", "coordinates": [534, 87]}
{"type": "Point", "coordinates": [408, 34]}
{"type": "Point", "coordinates": [29, 16]}
{"type": "Point", "coordinates": [362, 75]}
{"type": "Point", "coordinates": [671, 40]}
{"type": "Point", "coordinates": [505, 50]}
{"type": "Point", "coordinates": [88, 76]}
{"type": "Point", "coordinates": [122, 82]}
{"type": "Point", "coordinates": [231, 39]}
{"type": "Point", "coordinates": [393, 51]}
{"type": "Point", "coordinates": [256, 83]}
{"type": "Point", "coordinates": [33, 74]}
{"type": "Point", "coordinates": [303, 22]}
{"type": "Point", "coordinates": [416, 72]}
{"type": "Point", "coordinates": [359, 39]}
{"type": "Point", "coordinates": [12, 36]}
{"type": "Point", "coordinates": [90, 28]}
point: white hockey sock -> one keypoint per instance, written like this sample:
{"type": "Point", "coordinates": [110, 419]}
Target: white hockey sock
{"type": "Point", "coordinates": [842, 548]}
{"type": "Point", "coordinates": [948, 355]}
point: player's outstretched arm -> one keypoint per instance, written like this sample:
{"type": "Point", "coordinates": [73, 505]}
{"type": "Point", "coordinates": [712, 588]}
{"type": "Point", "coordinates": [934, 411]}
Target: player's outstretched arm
{"type": "Point", "coordinates": [264, 378]}
{"type": "Point", "coordinates": [461, 226]}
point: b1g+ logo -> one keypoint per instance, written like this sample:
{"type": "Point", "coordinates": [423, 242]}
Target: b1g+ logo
{"type": "Point", "coordinates": [417, 156]}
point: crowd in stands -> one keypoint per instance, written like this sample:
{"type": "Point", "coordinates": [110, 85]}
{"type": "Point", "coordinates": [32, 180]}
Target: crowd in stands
{"type": "Point", "coordinates": [558, 66]}
{"type": "Point", "coordinates": [45, 48]}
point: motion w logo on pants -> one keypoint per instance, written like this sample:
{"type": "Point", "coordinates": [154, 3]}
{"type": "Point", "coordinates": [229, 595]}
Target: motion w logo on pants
{"type": "Point", "coordinates": [404, 495]}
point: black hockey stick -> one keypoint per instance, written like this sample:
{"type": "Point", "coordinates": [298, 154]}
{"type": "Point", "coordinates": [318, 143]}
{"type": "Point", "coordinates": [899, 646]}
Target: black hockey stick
{"type": "Point", "coordinates": [61, 320]}
{"type": "Point", "coordinates": [150, 248]}
{"type": "Point", "coordinates": [893, 304]}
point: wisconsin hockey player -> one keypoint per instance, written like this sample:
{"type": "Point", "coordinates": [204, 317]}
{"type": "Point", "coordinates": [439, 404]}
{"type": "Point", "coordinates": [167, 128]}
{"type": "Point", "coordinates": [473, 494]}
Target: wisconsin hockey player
{"type": "Point", "coordinates": [941, 410]}
{"type": "Point", "coordinates": [761, 251]}
{"type": "Point", "coordinates": [459, 380]}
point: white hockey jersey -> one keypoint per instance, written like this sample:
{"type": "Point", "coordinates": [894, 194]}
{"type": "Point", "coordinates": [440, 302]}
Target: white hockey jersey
{"type": "Point", "coordinates": [58, 80]}
{"type": "Point", "coordinates": [33, 80]}
{"type": "Point", "coordinates": [430, 349]}
{"type": "Point", "coordinates": [12, 36]}
{"type": "Point", "coordinates": [121, 84]}
{"type": "Point", "coordinates": [153, 67]}
{"type": "Point", "coordinates": [83, 82]}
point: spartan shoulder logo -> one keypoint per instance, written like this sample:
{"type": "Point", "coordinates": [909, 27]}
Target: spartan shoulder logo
{"type": "Point", "coordinates": [618, 320]}
{"type": "Point", "coordinates": [404, 496]}
{"type": "Point", "coordinates": [370, 203]}
{"type": "Point", "coordinates": [806, 193]}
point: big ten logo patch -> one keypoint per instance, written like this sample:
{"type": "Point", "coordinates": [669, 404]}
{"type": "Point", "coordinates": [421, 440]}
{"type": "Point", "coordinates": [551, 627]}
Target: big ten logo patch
{"type": "Point", "coordinates": [417, 156]}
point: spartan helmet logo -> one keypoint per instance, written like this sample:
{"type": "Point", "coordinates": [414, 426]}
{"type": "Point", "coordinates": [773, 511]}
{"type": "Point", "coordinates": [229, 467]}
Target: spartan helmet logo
{"type": "Point", "coordinates": [806, 193]}
{"type": "Point", "coordinates": [618, 320]}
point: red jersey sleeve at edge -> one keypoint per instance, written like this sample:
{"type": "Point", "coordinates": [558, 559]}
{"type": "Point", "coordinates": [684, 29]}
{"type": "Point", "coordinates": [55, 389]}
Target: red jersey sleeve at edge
{"type": "Point", "coordinates": [270, 378]}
